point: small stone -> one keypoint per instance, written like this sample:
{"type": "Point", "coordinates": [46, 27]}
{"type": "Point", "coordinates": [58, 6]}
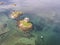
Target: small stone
{"type": "Point", "coordinates": [42, 37]}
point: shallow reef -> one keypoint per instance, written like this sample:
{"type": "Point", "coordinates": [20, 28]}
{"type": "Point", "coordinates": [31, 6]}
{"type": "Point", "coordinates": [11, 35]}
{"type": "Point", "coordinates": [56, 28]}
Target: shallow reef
{"type": "Point", "coordinates": [41, 27]}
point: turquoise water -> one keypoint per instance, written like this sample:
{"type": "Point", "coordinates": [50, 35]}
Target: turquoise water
{"type": "Point", "coordinates": [41, 27]}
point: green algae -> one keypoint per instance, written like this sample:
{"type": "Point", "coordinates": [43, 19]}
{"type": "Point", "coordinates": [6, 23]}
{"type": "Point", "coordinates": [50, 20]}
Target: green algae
{"type": "Point", "coordinates": [25, 23]}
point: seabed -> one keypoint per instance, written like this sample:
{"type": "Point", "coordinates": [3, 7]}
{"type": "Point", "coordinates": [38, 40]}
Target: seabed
{"type": "Point", "coordinates": [13, 36]}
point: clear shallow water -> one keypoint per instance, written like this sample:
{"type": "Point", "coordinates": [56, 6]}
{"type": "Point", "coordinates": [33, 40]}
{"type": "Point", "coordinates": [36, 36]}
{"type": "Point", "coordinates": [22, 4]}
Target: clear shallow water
{"type": "Point", "coordinates": [42, 27]}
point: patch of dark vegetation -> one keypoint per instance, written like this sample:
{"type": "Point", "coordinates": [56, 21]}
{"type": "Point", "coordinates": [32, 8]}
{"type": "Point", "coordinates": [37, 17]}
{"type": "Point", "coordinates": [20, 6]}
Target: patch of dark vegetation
{"type": "Point", "coordinates": [28, 35]}
{"type": "Point", "coordinates": [39, 26]}
{"type": "Point", "coordinates": [5, 25]}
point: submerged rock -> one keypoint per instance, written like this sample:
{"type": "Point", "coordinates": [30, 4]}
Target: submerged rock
{"type": "Point", "coordinates": [42, 37]}
{"type": "Point", "coordinates": [15, 14]}
{"type": "Point", "coordinates": [24, 24]}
